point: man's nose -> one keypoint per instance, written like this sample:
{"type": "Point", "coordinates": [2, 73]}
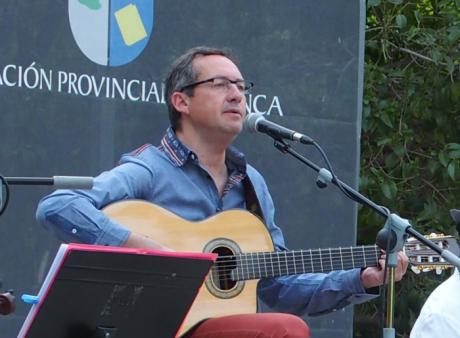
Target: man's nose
{"type": "Point", "coordinates": [234, 93]}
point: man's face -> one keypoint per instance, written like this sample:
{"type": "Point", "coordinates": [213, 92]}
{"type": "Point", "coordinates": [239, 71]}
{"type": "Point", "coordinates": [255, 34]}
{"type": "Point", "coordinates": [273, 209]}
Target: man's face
{"type": "Point", "coordinates": [216, 109]}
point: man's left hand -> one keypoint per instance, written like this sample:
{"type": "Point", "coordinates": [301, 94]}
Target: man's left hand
{"type": "Point", "coordinates": [373, 276]}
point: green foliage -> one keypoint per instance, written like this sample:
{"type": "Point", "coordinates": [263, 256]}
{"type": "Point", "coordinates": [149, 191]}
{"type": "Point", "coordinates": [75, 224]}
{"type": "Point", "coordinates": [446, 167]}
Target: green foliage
{"type": "Point", "coordinates": [411, 131]}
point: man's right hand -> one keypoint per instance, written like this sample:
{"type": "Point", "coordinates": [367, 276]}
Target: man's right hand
{"type": "Point", "coordinates": [140, 241]}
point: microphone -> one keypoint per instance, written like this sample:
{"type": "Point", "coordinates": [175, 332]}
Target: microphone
{"type": "Point", "coordinates": [256, 122]}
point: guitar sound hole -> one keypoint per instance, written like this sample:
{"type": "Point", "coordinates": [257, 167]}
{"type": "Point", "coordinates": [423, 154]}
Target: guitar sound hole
{"type": "Point", "coordinates": [222, 270]}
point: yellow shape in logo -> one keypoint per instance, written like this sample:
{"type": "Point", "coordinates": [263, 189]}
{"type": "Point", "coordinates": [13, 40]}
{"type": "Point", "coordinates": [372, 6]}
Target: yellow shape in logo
{"type": "Point", "coordinates": [130, 24]}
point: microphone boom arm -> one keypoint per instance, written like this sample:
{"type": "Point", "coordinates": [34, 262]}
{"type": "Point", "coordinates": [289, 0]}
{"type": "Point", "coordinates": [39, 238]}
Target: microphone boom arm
{"type": "Point", "coordinates": [358, 197]}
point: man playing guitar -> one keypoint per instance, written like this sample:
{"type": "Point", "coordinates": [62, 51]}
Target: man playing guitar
{"type": "Point", "coordinates": [195, 173]}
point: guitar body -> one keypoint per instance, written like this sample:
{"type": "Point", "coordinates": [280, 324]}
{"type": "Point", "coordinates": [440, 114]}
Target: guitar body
{"type": "Point", "coordinates": [227, 233]}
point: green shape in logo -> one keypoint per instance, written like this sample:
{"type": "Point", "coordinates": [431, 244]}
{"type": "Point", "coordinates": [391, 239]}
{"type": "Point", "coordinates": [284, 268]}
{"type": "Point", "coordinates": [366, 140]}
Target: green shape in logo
{"type": "Point", "coordinates": [91, 4]}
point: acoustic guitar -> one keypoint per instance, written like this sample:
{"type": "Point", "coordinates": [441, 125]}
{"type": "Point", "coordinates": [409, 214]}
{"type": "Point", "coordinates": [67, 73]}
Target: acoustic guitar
{"type": "Point", "coordinates": [245, 254]}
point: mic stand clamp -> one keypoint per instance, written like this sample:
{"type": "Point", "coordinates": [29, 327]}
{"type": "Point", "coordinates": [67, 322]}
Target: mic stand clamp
{"type": "Point", "coordinates": [324, 177]}
{"type": "Point", "coordinates": [7, 303]}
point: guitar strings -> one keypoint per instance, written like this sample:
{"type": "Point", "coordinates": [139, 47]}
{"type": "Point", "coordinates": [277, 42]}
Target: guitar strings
{"type": "Point", "coordinates": [288, 262]}
{"type": "Point", "coordinates": [250, 266]}
{"type": "Point", "coordinates": [313, 254]}
{"type": "Point", "coordinates": [241, 271]}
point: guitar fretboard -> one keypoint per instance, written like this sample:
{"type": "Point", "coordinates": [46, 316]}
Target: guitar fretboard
{"type": "Point", "coordinates": [282, 263]}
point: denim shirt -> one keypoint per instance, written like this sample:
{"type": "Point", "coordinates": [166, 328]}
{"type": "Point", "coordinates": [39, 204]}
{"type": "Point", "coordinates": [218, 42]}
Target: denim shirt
{"type": "Point", "coordinates": [171, 176]}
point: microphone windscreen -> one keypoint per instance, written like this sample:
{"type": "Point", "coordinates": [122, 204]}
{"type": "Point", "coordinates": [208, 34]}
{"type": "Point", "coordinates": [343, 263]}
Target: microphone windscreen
{"type": "Point", "coordinates": [250, 122]}
{"type": "Point", "coordinates": [73, 182]}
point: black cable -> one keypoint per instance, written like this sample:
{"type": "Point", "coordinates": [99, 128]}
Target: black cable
{"type": "Point", "coordinates": [7, 194]}
{"type": "Point", "coordinates": [334, 176]}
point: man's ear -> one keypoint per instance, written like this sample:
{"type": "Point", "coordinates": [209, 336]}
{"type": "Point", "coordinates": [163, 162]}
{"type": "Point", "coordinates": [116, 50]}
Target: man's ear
{"type": "Point", "coordinates": [180, 101]}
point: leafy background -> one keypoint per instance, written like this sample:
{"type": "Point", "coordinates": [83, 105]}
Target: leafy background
{"type": "Point", "coordinates": [410, 149]}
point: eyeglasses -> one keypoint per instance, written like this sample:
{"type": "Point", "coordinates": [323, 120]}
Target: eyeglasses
{"type": "Point", "coordinates": [223, 83]}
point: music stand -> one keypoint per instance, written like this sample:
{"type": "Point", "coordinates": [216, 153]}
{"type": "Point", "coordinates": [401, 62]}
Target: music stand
{"type": "Point", "coordinates": [111, 292]}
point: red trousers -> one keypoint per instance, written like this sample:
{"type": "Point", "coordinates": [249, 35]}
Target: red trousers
{"type": "Point", "coordinates": [254, 325]}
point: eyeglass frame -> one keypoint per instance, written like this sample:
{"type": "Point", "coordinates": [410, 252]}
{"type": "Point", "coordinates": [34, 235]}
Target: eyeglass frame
{"type": "Point", "coordinates": [248, 84]}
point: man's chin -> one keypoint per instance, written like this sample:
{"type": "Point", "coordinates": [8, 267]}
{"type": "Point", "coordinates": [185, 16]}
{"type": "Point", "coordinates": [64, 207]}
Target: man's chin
{"type": "Point", "coordinates": [232, 130]}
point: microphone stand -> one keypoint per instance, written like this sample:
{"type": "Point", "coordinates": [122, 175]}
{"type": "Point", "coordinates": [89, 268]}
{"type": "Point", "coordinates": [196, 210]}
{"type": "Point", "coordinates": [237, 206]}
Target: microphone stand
{"type": "Point", "coordinates": [60, 182]}
{"type": "Point", "coordinates": [391, 237]}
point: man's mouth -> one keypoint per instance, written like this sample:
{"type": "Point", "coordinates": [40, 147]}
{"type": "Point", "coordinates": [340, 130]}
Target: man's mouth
{"type": "Point", "coordinates": [233, 111]}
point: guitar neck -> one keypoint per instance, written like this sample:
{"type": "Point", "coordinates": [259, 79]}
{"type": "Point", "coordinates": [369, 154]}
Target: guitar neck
{"type": "Point", "coordinates": [257, 265]}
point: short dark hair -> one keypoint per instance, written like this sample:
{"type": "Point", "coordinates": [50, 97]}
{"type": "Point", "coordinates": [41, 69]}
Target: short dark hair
{"type": "Point", "coordinates": [182, 74]}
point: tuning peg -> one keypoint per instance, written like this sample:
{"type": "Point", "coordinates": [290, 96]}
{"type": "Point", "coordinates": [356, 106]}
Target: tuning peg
{"type": "Point", "coordinates": [415, 269]}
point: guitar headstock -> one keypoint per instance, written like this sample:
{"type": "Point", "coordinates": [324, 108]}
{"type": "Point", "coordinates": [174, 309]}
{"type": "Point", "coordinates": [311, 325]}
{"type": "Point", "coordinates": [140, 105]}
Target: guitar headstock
{"type": "Point", "coordinates": [424, 259]}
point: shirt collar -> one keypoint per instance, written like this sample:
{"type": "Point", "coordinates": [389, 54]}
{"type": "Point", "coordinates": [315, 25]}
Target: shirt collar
{"type": "Point", "coordinates": [178, 153]}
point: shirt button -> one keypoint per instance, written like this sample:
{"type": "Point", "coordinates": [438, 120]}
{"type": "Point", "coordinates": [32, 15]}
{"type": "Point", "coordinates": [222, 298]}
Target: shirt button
{"type": "Point", "coordinates": [74, 231]}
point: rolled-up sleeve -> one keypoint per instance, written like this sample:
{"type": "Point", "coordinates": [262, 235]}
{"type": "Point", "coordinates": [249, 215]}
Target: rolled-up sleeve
{"type": "Point", "coordinates": [315, 293]}
{"type": "Point", "coordinates": [75, 215]}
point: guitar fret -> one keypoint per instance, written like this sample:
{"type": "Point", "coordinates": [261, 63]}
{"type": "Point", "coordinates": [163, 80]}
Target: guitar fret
{"type": "Point", "coordinates": [279, 263]}
{"type": "Point", "coordinates": [258, 263]}
{"type": "Point", "coordinates": [341, 257]}
{"type": "Point", "coordinates": [294, 260]}
{"type": "Point", "coordinates": [288, 263]}
{"type": "Point", "coordinates": [274, 257]}
{"type": "Point", "coordinates": [352, 257]}
{"type": "Point", "coordinates": [330, 258]}
{"type": "Point", "coordinates": [364, 257]}
{"type": "Point", "coordinates": [376, 254]}
{"type": "Point", "coordinates": [240, 267]}
{"type": "Point", "coordinates": [288, 271]}
{"type": "Point", "coordinates": [252, 265]}
{"type": "Point", "coordinates": [311, 262]}
{"type": "Point", "coordinates": [267, 265]}
{"type": "Point", "coordinates": [321, 260]}
{"type": "Point", "coordinates": [247, 267]}
{"type": "Point", "coordinates": [236, 275]}
{"type": "Point", "coordinates": [357, 257]}
{"type": "Point", "coordinates": [303, 261]}
{"type": "Point", "coordinates": [263, 266]}
{"type": "Point", "coordinates": [271, 264]}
